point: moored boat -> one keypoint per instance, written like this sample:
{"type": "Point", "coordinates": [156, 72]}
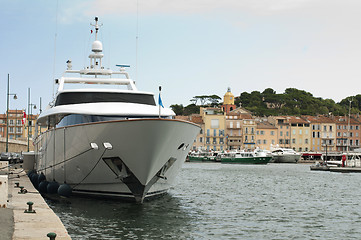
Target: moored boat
{"type": "Point", "coordinates": [110, 142]}
{"type": "Point", "coordinates": [201, 156]}
{"type": "Point", "coordinates": [285, 155]}
{"type": "Point", "coordinates": [243, 157]}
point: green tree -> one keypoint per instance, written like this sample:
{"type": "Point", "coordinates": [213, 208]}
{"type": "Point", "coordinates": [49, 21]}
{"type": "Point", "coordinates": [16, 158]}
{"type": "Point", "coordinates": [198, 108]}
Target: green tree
{"type": "Point", "coordinates": [178, 109]}
{"type": "Point", "coordinates": [214, 100]}
{"type": "Point", "coordinates": [190, 109]}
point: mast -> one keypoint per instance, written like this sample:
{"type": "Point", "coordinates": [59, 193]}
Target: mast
{"type": "Point", "coordinates": [96, 25]}
{"type": "Point", "coordinates": [348, 129]}
{"type": "Point", "coordinates": [97, 49]}
{"type": "Point", "coordinates": [96, 69]}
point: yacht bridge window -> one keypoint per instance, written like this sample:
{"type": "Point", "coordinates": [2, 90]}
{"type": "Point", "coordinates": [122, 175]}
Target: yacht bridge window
{"type": "Point", "coordinates": [94, 97]}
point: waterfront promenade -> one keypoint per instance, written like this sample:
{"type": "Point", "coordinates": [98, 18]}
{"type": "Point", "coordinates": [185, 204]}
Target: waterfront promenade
{"type": "Point", "coordinates": [18, 225]}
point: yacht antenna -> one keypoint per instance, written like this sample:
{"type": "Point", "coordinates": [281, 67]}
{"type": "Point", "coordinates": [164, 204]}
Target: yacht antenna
{"type": "Point", "coordinates": [96, 25]}
{"type": "Point", "coordinates": [136, 44]}
{"type": "Point", "coordinates": [56, 34]}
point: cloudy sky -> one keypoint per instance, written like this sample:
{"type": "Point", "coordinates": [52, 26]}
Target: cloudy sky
{"type": "Point", "coordinates": [189, 47]}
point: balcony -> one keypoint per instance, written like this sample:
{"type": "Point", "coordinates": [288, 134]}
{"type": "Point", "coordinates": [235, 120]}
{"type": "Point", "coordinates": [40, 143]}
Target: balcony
{"type": "Point", "coordinates": [328, 144]}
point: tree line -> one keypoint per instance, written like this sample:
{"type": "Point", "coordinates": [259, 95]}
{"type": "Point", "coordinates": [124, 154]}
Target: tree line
{"type": "Point", "coordinates": [269, 103]}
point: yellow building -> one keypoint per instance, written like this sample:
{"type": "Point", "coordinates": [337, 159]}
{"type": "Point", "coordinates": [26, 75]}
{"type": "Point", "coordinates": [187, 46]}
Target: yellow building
{"type": "Point", "coordinates": [249, 133]}
{"type": "Point", "coordinates": [293, 132]}
{"type": "Point", "coordinates": [300, 134]}
{"type": "Point", "coordinates": [266, 135]}
{"type": "Point", "coordinates": [214, 128]}
{"type": "Point", "coordinates": [283, 130]}
{"type": "Point", "coordinates": [323, 133]}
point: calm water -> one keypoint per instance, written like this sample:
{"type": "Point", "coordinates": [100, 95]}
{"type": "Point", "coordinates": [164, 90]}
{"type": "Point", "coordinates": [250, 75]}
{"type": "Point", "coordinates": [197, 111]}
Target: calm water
{"type": "Point", "coordinates": [215, 201]}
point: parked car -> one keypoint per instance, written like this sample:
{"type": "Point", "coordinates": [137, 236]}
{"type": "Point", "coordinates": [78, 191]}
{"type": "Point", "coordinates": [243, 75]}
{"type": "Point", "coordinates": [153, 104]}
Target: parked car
{"type": "Point", "coordinates": [11, 157]}
{"type": "Point", "coordinates": [5, 156]}
{"type": "Point", "coordinates": [15, 157]}
{"type": "Point", "coordinates": [21, 158]}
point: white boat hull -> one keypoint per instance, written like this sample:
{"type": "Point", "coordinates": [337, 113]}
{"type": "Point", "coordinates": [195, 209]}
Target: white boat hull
{"type": "Point", "coordinates": [285, 158]}
{"type": "Point", "coordinates": [145, 158]}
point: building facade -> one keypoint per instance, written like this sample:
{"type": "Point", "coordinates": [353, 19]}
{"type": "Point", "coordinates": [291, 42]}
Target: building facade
{"type": "Point", "coordinates": [19, 128]}
{"type": "Point", "coordinates": [266, 135]}
{"type": "Point", "coordinates": [234, 132]}
{"type": "Point", "coordinates": [347, 133]}
{"type": "Point", "coordinates": [323, 133]}
{"type": "Point", "coordinates": [214, 128]}
{"type": "Point", "coordinates": [283, 130]}
{"type": "Point", "coordinates": [300, 134]}
{"type": "Point", "coordinates": [16, 125]}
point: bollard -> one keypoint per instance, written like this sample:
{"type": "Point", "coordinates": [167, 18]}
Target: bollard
{"type": "Point", "coordinates": [51, 235]}
{"type": "Point", "coordinates": [22, 190]}
{"type": "Point", "coordinates": [17, 185]}
{"type": "Point", "coordinates": [30, 209]}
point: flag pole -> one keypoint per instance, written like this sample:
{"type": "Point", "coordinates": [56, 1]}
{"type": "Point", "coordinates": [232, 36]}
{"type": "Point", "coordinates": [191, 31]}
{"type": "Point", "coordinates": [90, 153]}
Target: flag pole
{"type": "Point", "coordinates": [159, 100]}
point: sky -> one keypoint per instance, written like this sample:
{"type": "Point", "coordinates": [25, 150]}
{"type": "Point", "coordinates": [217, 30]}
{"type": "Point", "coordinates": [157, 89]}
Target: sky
{"type": "Point", "coordinates": [189, 47]}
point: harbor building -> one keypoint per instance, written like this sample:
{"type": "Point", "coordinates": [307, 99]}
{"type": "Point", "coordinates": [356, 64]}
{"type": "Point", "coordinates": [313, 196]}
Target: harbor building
{"type": "Point", "coordinates": [266, 135]}
{"type": "Point", "coordinates": [283, 130]}
{"type": "Point", "coordinates": [20, 127]}
{"type": "Point", "coordinates": [300, 134]}
{"type": "Point", "coordinates": [323, 133]}
{"type": "Point", "coordinates": [214, 128]}
{"type": "Point", "coordinates": [234, 130]}
{"type": "Point", "coordinates": [248, 126]}
{"type": "Point", "coordinates": [293, 132]}
{"type": "Point", "coordinates": [347, 133]}
{"type": "Point", "coordinates": [231, 128]}
{"type": "Point", "coordinates": [15, 125]}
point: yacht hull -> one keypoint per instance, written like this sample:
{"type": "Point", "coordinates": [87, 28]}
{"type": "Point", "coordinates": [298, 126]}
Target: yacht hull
{"type": "Point", "coordinates": [285, 158]}
{"type": "Point", "coordinates": [133, 159]}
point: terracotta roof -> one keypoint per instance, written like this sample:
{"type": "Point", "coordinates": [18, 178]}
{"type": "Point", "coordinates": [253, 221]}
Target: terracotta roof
{"type": "Point", "coordinates": [344, 120]}
{"type": "Point", "coordinates": [16, 111]}
{"type": "Point", "coordinates": [179, 117]}
{"type": "Point", "coordinates": [318, 119]}
{"type": "Point", "coordinates": [290, 119]}
{"type": "Point", "coordinates": [196, 119]}
{"type": "Point", "coordinates": [239, 110]}
{"type": "Point", "coordinates": [265, 125]}
{"type": "Point", "coordinates": [294, 119]}
{"type": "Point", "coordinates": [193, 118]}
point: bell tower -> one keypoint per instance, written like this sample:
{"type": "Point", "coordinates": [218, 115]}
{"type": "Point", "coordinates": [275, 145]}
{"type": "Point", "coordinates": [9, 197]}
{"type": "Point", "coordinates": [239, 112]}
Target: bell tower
{"type": "Point", "coordinates": [228, 101]}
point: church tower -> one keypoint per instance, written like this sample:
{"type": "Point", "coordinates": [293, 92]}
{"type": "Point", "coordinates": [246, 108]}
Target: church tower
{"type": "Point", "coordinates": [228, 102]}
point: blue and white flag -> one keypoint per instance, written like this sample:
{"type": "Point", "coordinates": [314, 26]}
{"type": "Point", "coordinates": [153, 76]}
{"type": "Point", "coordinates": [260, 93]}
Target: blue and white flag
{"type": "Point", "coordinates": [160, 103]}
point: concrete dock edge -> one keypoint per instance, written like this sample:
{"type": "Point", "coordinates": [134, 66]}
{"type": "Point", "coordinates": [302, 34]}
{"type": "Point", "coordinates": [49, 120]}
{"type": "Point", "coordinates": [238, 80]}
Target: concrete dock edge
{"type": "Point", "coordinates": [31, 225]}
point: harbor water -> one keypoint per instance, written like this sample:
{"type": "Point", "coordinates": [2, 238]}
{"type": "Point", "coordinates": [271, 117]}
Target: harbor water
{"type": "Point", "coordinates": [220, 201]}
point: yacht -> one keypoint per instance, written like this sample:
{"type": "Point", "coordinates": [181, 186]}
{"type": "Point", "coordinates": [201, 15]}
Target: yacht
{"type": "Point", "coordinates": [105, 138]}
{"type": "Point", "coordinates": [285, 155]}
{"type": "Point", "coordinates": [257, 156]}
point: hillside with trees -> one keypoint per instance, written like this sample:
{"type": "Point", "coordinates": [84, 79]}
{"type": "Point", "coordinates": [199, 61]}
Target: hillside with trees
{"type": "Point", "coordinates": [291, 102]}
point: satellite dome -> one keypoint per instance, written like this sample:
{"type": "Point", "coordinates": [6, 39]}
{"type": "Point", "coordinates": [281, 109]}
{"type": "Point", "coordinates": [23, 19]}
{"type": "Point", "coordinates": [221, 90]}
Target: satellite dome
{"type": "Point", "coordinates": [97, 46]}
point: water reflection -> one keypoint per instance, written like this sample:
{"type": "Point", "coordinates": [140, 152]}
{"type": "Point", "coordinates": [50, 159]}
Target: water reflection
{"type": "Point", "coordinates": [216, 201]}
{"type": "Point", "coordinates": [165, 218]}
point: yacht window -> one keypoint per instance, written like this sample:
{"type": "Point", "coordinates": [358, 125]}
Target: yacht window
{"type": "Point", "coordinates": [74, 119]}
{"type": "Point", "coordinates": [93, 97]}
